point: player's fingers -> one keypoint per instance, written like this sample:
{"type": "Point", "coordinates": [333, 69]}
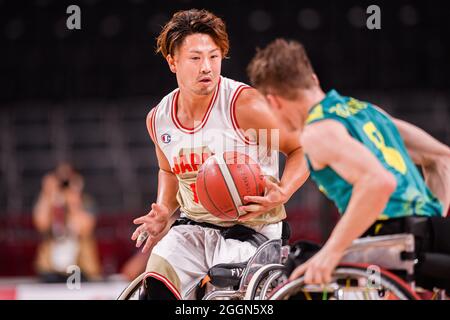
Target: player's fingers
{"type": "Point", "coordinates": [148, 244]}
{"type": "Point", "coordinates": [140, 220]}
{"type": "Point", "coordinates": [142, 237]}
{"type": "Point", "coordinates": [251, 208]}
{"type": "Point", "coordinates": [298, 272]}
{"type": "Point", "coordinates": [248, 216]}
{"type": "Point", "coordinates": [139, 230]}
{"type": "Point", "coordinates": [327, 277]}
{"type": "Point", "coordinates": [255, 199]}
{"type": "Point", "coordinates": [251, 215]}
{"type": "Point", "coordinates": [317, 277]}
{"type": "Point", "coordinates": [136, 232]}
{"type": "Point", "coordinates": [153, 213]}
{"type": "Point", "coordinates": [309, 275]}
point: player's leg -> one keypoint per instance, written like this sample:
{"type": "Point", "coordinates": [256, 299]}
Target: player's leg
{"type": "Point", "coordinates": [177, 263]}
{"type": "Point", "coordinates": [235, 251]}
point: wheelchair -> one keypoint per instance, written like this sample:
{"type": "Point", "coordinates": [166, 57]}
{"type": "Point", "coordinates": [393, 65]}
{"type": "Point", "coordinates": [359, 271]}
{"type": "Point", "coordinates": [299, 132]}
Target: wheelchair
{"type": "Point", "coordinates": [233, 281]}
{"type": "Point", "coordinates": [373, 268]}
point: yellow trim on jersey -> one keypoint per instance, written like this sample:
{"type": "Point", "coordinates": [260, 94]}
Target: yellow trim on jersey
{"type": "Point", "coordinates": [316, 113]}
{"type": "Point", "coordinates": [383, 217]}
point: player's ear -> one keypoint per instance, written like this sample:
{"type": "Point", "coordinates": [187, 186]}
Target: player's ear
{"type": "Point", "coordinates": [315, 79]}
{"type": "Point", "coordinates": [273, 101]}
{"type": "Point", "coordinates": [171, 62]}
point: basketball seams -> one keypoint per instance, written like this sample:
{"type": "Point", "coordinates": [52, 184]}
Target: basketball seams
{"type": "Point", "coordinates": [206, 189]}
{"type": "Point", "coordinates": [254, 178]}
{"type": "Point", "coordinates": [231, 185]}
{"type": "Point", "coordinates": [226, 180]}
{"type": "Point", "coordinates": [233, 177]}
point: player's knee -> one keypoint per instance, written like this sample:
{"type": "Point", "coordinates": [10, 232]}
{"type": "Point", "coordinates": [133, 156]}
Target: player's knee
{"type": "Point", "coordinates": [155, 289]}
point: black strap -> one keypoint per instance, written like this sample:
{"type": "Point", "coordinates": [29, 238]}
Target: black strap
{"type": "Point", "coordinates": [187, 221]}
{"type": "Point", "coordinates": [236, 232]}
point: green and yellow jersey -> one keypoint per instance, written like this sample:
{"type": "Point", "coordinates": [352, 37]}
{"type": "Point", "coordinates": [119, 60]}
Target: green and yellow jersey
{"type": "Point", "coordinates": [377, 132]}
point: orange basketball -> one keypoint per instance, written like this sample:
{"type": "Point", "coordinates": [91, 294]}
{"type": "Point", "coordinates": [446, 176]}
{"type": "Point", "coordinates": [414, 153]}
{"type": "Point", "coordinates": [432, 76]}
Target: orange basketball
{"type": "Point", "coordinates": [224, 180]}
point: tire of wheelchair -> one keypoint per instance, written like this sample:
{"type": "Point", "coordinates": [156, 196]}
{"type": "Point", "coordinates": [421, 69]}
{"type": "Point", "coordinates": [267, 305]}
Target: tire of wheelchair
{"type": "Point", "coordinates": [388, 280]}
{"type": "Point", "coordinates": [128, 292]}
{"type": "Point", "coordinates": [258, 277]}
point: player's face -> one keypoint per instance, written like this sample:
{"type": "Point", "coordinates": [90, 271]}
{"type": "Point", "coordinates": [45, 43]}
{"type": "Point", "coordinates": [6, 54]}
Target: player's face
{"type": "Point", "coordinates": [197, 64]}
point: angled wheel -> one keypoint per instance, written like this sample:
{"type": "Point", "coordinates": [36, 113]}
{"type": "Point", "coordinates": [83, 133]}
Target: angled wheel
{"type": "Point", "coordinates": [350, 282]}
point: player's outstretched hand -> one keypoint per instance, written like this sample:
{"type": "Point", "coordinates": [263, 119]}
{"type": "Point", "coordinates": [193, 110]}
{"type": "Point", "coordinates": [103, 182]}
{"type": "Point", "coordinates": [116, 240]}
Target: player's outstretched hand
{"type": "Point", "coordinates": [273, 198]}
{"type": "Point", "coordinates": [152, 226]}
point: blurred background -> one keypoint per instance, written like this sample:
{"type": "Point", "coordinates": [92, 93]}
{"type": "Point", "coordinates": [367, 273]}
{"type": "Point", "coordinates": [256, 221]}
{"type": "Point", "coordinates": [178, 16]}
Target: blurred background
{"type": "Point", "coordinates": [82, 96]}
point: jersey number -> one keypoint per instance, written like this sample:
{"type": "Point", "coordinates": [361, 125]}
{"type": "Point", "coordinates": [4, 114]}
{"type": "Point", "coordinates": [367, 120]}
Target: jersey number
{"type": "Point", "coordinates": [392, 157]}
{"type": "Point", "coordinates": [194, 191]}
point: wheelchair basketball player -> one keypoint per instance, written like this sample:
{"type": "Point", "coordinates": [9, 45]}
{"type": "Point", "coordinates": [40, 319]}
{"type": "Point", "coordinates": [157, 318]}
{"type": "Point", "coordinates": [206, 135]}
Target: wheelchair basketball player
{"type": "Point", "coordinates": [364, 161]}
{"type": "Point", "coordinates": [205, 114]}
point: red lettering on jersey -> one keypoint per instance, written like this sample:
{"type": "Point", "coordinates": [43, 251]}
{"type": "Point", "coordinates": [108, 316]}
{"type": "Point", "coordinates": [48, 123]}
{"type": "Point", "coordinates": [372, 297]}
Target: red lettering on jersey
{"type": "Point", "coordinates": [182, 165]}
{"type": "Point", "coordinates": [185, 166]}
{"type": "Point", "coordinates": [176, 168]}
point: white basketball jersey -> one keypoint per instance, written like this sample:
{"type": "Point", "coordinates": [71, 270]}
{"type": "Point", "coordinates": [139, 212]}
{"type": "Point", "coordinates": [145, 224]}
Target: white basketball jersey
{"type": "Point", "coordinates": [187, 148]}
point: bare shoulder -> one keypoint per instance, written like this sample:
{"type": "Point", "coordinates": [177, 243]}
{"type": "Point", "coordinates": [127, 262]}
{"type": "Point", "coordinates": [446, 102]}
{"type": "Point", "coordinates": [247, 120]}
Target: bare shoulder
{"type": "Point", "coordinates": [150, 114]}
{"type": "Point", "coordinates": [150, 123]}
{"type": "Point", "coordinates": [251, 101]}
{"type": "Point", "coordinates": [324, 141]}
{"type": "Point", "coordinates": [253, 111]}
{"type": "Point", "coordinates": [322, 133]}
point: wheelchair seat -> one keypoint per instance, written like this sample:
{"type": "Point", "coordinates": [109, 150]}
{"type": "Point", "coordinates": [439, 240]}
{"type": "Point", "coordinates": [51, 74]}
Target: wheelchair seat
{"type": "Point", "coordinates": [391, 252]}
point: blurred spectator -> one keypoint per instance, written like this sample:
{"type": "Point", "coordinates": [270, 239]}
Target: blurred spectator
{"type": "Point", "coordinates": [63, 215]}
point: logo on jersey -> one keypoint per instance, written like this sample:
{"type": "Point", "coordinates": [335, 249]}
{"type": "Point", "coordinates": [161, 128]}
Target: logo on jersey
{"type": "Point", "coordinates": [166, 138]}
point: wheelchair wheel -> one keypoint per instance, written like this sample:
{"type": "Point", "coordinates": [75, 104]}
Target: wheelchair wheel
{"type": "Point", "coordinates": [350, 282]}
{"type": "Point", "coordinates": [134, 289]}
{"type": "Point", "coordinates": [263, 280]}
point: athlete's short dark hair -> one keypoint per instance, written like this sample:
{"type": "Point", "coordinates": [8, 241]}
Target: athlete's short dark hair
{"type": "Point", "coordinates": [187, 22]}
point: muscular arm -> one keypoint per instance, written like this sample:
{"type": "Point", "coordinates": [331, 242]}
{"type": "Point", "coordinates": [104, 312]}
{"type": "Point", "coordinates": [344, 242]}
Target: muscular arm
{"type": "Point", "coordinates": [167, 181]}
{"type": "Point", "coordinates": [253, 112]}
{"type": "Point", "coordinates": [422, 147]}
{"type": "Point", "coordinates": [432, 155]}
{"type": "Point", "coordinates": [328, 143]}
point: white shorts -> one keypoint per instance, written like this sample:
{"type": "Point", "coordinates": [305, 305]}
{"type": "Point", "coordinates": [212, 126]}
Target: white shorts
{"type": "Point", "coordinates": [184, 256]}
